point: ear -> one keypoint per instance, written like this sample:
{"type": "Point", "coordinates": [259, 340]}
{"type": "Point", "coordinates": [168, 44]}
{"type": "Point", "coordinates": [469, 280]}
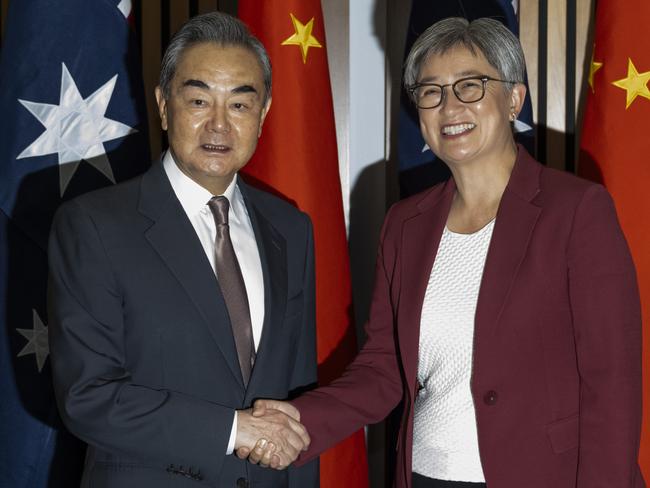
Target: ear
{"type": "Point", "coordinates": [265, 111]}
{"type": "Point", "coordinates": [162, 107]}
{"type": "Point", "coordinates": [517, 97]}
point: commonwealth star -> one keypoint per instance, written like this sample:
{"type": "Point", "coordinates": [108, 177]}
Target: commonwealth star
{"type": "Point", "coordinates": [76, 129]}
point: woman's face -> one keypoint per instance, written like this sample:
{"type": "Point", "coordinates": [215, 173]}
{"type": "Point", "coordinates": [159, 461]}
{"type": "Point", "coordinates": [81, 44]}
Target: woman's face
{"type": "Point", "coordinates": [459, 132]}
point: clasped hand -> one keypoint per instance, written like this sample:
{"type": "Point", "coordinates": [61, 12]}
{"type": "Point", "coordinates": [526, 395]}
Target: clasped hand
{"type": "Point", "coordinates": [270, 434]}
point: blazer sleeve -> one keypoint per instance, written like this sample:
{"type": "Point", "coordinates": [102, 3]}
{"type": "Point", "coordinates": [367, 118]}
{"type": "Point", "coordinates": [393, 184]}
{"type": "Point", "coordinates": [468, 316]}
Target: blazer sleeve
{"type": "Point", "coordinates": [371, 385]}
{"type": "Point", "coordinates": [97, 397]}
{"type": "Point", "coordinates": [607, 325]}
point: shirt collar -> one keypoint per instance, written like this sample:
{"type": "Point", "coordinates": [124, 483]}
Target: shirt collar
{"type": "Point", "coordinates": [194, 197]}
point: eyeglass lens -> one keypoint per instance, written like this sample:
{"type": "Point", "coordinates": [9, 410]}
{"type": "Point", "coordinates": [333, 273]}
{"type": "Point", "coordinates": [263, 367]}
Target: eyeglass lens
{"type": "Point", "coordinates": [467, 90]}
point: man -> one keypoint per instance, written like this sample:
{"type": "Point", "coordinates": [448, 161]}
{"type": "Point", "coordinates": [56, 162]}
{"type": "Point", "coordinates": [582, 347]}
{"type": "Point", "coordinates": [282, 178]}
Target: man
{"type": "Point", "coordinates": [179, 297]}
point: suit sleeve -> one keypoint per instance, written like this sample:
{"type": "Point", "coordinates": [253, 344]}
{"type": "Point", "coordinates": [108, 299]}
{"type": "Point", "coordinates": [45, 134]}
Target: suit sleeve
{"type": "Point", "coordinates": [607, 326]}
{"type": "Point", "coordinates": [305, 367]}
{"type": "Point", "coordinates": [304, 372]}
{"type": "Point", "coordinates": [98, 399]}
{"type": "Point", "coordinates": [371, 385]}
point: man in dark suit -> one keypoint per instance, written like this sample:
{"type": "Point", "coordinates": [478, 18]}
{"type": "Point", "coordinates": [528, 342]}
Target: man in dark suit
{"type": "Point", "coordinates": [179, 297]}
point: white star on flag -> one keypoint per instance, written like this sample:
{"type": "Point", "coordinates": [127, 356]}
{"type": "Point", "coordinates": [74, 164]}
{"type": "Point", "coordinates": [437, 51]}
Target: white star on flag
{"type": "Point", "coordinates": [76, 129]}
{"type": "Point", "coordinates": [515, 5]}
{"type": "Point", "coordinates": [125, 7]}
{"type": "Point", "coordinates": [38, 344]}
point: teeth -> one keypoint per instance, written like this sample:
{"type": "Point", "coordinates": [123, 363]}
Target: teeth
{"type": "Point", "coordinates": [215, 147]}
{"type": "Point", "coordinates": [457, 129]}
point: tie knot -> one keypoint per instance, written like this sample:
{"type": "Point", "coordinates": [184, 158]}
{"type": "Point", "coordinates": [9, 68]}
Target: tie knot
{"type": "Point", "coordinates": [219, 206]}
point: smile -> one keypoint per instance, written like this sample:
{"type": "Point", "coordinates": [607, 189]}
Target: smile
{"type": "Point", "coordinates": [453, 130]}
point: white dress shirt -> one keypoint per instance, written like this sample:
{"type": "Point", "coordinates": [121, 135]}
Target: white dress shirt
{"type": "Point", "coordinates": [194, 200]}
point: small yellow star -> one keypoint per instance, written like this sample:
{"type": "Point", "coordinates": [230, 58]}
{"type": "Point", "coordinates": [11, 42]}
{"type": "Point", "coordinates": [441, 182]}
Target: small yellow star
{"type": "Point", "coordinates": [302, 37]}
{"type": "Point", "coordinates": [593, 67]}
{"type": "Point", "coordinates": [636, 84]}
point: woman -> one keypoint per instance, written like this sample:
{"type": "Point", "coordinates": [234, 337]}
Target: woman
{"type": "Point", "coordinates": [505, 312]}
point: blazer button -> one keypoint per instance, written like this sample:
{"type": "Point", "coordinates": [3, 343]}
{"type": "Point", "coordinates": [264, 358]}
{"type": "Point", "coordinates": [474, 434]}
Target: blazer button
{"type": "Point", "coordinates": [242, 483]}
{"type": "Point", "coordinates": [490, 397]}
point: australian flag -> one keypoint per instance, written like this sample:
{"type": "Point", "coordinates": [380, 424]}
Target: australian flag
{"type": "Point", "coordinates": [72, 119]}
{"type": "Point", "coordinates": [418, 166]}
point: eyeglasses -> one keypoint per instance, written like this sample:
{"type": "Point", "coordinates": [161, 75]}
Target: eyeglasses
{"type": "Point", "coordinates": [467, 90]}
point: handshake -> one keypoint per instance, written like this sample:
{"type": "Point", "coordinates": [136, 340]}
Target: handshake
{"type": "Point", "coordinates": [270, 434]}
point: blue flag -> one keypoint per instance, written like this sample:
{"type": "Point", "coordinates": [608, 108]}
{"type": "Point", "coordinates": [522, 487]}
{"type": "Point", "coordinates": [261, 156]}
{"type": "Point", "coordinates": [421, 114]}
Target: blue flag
{"type": "Point", "coordinates": [418, 166]}
{"type": "Point", "coordinates": [73, 119]}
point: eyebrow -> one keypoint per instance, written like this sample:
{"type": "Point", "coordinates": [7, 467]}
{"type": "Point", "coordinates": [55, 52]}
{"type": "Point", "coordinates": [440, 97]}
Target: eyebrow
{"type": "Point", "coordinates": [204, 86]}
{"type": "Point", "coordinates": [196, 84]}
{"type": "Point", "coordinates": [244, 89]}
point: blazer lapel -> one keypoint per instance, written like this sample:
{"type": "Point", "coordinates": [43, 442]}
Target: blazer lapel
{"type": "Point", "coordinates": [174, 239]}
{"type": "Point", "coordinates": [515, 221]}
{"type": "Point", "coordinates": [272, 249]}
{"type": "Point", "coordinates": [419, 245]}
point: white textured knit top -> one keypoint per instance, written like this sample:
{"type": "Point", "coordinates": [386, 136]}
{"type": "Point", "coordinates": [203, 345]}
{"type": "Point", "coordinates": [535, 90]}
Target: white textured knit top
{"type": "Point", "coordinates": [445, 441]}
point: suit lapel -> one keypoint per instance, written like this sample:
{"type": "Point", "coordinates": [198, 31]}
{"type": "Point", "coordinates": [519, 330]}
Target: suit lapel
{"type": "Point", "coordinates": [272, 249]}
{"type": "Point", "coordinates": [174, 239]}
{"type": "Point", "coordinates": [421, 235]}
{"type": "Point", "coordinates": [516, 219]}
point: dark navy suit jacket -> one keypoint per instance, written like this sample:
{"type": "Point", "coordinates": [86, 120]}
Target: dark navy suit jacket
{"type": "Point", "coordinates": [144, 362]}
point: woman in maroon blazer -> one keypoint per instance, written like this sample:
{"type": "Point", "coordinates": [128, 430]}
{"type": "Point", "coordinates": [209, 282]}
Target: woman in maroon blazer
{"type": "Point", "coordinates": [505, 313]}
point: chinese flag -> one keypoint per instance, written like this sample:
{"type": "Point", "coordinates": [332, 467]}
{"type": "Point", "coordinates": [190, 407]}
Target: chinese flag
{"type": "Point", "coordinates": [297, 159]}
{"type": "Point", "coordinates": [615, 145]}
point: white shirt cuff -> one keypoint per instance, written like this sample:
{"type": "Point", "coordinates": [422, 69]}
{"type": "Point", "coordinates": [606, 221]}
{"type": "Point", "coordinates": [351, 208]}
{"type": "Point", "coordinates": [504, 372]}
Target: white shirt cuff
{"type": "Point", "coordinates": [233, 436]}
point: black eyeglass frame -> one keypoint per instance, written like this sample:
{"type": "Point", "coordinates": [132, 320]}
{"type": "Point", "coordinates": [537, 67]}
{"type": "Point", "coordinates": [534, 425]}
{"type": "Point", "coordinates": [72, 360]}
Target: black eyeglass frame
{"type": "Point", "coordinates": [482, 78]}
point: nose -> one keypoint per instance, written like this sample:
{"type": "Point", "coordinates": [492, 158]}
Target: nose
{"type": "Point", "coordinates": [450, 102]}
{"type": "Point", "coordinates": [219, 120]}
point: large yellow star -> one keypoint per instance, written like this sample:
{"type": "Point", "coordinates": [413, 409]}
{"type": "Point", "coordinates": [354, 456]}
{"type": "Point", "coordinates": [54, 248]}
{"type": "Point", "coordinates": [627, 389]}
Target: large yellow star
{"type": "Point", "coordinates": [636, 84]}
{"type": "Point", "coordinates": [593, 67]}
{"type": "Point", "coordinates": [302, 37]}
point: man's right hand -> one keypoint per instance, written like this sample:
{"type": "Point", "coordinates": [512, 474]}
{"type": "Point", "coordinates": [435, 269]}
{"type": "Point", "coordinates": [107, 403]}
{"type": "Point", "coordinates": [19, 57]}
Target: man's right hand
{"type": "Point", "coordinates": [269, 436]}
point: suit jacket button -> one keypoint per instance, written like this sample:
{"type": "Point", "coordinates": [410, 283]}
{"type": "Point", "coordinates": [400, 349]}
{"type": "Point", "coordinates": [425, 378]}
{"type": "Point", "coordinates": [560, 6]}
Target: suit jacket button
{"type": "Point", "coordinates": [490, 397]}
{"type": "Point", "coordinates": [242, 483]}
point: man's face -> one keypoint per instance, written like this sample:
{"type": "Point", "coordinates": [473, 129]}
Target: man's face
{"type": "Point", "coordinates": [214, 113]}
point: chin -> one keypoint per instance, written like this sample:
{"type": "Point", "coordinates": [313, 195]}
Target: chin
{"type": "Point", "coordinates": [457, 156]}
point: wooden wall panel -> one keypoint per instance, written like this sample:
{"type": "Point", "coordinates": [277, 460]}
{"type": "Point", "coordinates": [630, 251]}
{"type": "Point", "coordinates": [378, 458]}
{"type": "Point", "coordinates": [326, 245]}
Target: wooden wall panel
{"type": "Point", "coordinates": [555, 35]}
{"type": "Point", "coordinates": [529, 37]}
{"type": "Point", "coordinates": [206, 6]}
{"type": "Point", "coordinates": [556, 83]}
{"type": "Point", "coordinates": [179, 13]}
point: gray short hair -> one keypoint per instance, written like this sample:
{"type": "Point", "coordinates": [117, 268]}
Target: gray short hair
{"type": "Point", "coordinates": [221, 29]}
{"type": "Point", "coordinates": [490, 37]}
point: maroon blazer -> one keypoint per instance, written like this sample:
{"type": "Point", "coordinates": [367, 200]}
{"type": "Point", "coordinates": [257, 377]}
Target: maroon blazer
{"type": "Point", "coordinates": [556, 377]}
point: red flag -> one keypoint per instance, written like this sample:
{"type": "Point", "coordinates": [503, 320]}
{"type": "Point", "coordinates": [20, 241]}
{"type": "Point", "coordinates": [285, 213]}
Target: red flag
{"type": "Point", "coordinates": [615, 145]}
{"type": "Point", "coordinates": [297, 158]}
